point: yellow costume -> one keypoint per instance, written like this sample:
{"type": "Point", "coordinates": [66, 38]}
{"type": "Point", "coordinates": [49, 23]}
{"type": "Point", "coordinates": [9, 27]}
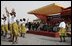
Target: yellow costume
{"type": "Point", "coordinates": [2, 25]}
{"type": "Point", "coordinates": [23, 29]}
{"type": "Point", "coordinates": [6, 28]}
{"type": "Point", "coordinates": [62, 32]}
{"type": "Point", "coordinates": [2, 28]}
{"type": "Point", "coordinates": [19, 28]}
{"type": "Point", "coordinates": [10, 26]}
{"type": "Point", "coordinates": [15, 29]}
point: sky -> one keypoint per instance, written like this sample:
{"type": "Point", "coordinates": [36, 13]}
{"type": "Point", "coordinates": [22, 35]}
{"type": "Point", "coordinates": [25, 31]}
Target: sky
{"type": "Point", "coordinates": [22, 7]}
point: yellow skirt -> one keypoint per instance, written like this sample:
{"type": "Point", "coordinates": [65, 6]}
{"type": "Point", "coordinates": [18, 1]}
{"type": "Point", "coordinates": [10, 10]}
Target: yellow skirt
{"type": "Point", "coordinates": [10, 26]}
{"type": "Point", "coordinates": [62, 32]}
{"type": "Point", "coordinates": [6, 28]}
{"type": "Point", "coordinates": [19, 28]}
{"type": "Point", "coordinates": [2, 28]}
{"type": "Point", "coordinates": [15, 29]}
{"type": "Point", "coordinates": [23, 29]}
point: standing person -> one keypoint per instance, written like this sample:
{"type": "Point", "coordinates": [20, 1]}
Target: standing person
{"type": "Point", "coordinates": [37, 25]}
{"type": "Point", "coordinates": [2, 26]}
{"type": "Point", "coordinates": [29, 25]}
{"type": "Point", "coordinates": [15, 27]}
{"type": "Point", "coordinates": [9, 22]}
{"type": "Point", "coordinates": [68, 28]}
{"type": "Point", "coordinates": [24, 27]}
{"type": "Point", "coordinates": [6, 26]}
{"type": "Point", "coordinates": [32, 26]}
{"type": "Point", "coordinates": [55, 28]}
{"type": "Point", "coordinates": [20, 26]}
{"type": "Point", "coordinates": [40, 27]}
{"type": "Point", "coordinates": [62, 31]}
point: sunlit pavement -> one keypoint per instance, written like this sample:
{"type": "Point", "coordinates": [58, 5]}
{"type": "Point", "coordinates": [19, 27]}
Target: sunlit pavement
{"type": "Point", "coordinates": [32, 39]}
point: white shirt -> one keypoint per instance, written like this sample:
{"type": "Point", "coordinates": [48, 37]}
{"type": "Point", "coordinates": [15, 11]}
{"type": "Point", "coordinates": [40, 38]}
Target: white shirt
{"type": "Point", "coordinates": [20, 22]}
{"type": "Point", "coordinates": [10, 19]}
{"type": "Point", "coordinates": [23, 23]}
{"type": "Point", "coordinates": [2, 22]}
{"type": "Point", "coordinates": [62, 24]}
{"type": "Point", "coordinates": [13, 19]}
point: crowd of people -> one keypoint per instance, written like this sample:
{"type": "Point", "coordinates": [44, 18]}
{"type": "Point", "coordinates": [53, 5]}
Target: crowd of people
{"type": "Point", "coordinates": [46, 27]}
{"type": "Point", "coordinates": [41, 27]}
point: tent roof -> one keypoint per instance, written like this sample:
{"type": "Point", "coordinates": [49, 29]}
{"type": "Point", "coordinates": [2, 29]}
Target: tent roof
{"type": "Point", "coordinates": [49, 9]}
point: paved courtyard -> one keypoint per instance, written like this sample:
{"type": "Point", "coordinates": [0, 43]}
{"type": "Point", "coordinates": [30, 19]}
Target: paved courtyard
{"type": "Point", "coordinates": [32, 39]}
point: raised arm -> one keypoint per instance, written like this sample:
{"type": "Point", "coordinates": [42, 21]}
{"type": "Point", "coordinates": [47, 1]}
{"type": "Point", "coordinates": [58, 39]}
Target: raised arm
{"type": "Point", "coordinates": [7, 12]}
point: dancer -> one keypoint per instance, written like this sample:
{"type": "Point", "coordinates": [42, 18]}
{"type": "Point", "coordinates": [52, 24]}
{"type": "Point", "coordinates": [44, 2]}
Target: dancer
{"type": "Point", "coordinates": [5, 26]}
{"type": "Point", "coordinates": [24, 27]}
{"type": "Point", "coordinates": [9, 23]}
{"type": "Point", "coordinates": [62, 31]}
{"type": "Point", "coordinates": [20, 26]}
{"type": "Point", "coordinates": [15, 27]}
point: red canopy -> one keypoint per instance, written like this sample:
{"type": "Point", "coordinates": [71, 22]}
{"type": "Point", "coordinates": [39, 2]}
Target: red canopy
{"type": "Point", "coordinates": [67, 11]}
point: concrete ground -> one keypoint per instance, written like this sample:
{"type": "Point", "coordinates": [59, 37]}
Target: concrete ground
{"type": "Point", "coordinates": [32, 39]}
